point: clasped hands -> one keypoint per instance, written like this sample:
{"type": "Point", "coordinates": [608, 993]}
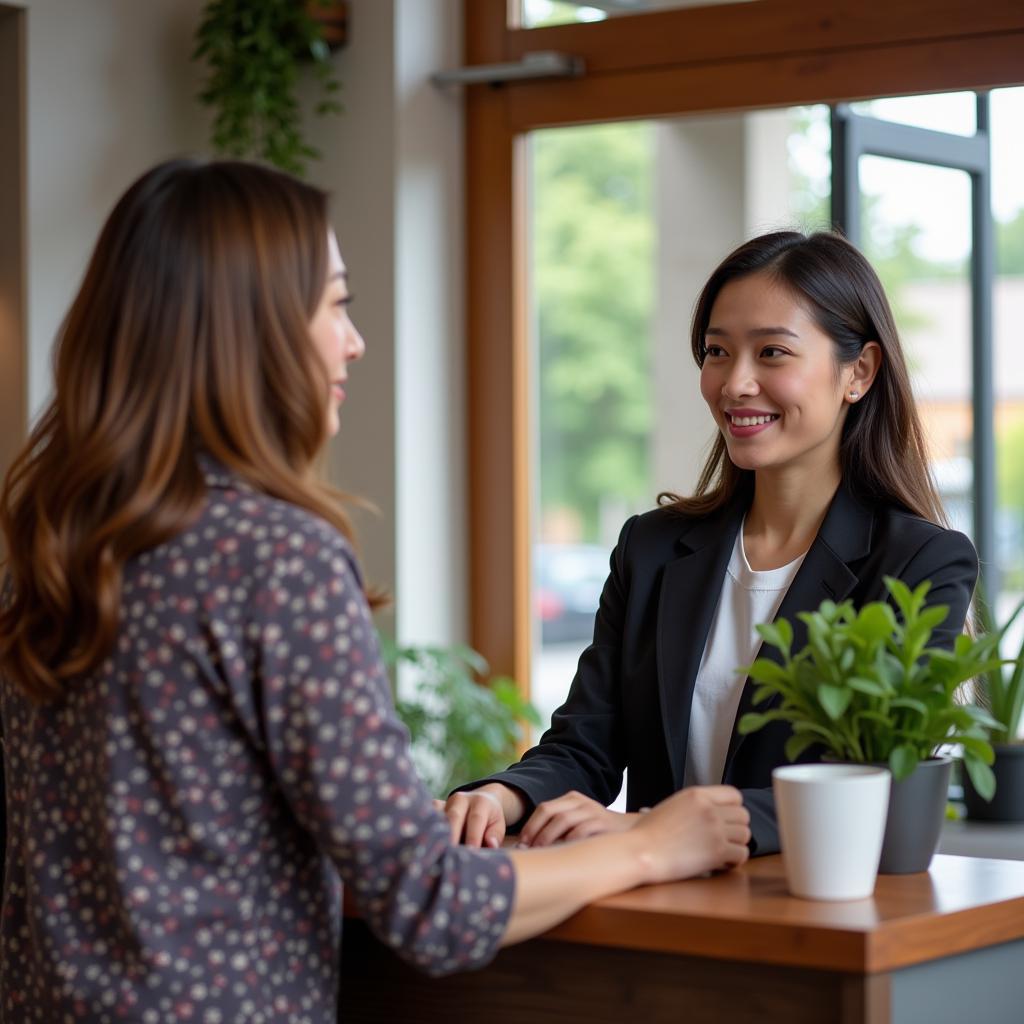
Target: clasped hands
{"type": "Point", "coordinates": [479, 817]}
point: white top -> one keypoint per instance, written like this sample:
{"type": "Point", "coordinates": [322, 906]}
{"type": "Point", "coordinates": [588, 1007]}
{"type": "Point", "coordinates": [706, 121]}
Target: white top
{"type": "Point", "coordinates": [747, 598]}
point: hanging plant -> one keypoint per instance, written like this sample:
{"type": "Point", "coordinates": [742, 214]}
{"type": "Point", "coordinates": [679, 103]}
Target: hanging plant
{"type": "Point", "coordinates": [257, 51]}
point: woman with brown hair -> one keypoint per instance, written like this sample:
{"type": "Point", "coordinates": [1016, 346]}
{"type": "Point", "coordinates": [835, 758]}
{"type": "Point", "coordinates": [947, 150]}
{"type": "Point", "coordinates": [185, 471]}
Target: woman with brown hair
{"type": "Point", "coordinates": [817, 487]}
{"type": "Point", "coordinates": [199, 743]}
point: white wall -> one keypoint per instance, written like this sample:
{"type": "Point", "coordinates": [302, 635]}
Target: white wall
{"type": "Point", "coordinates": [394, 166]}
{"type": "Point", "coordinates": [431, 500]}
{"type": "Point", "coordinates": [358, 169]}
{"type": "Point", "coordinates": [110, 92]}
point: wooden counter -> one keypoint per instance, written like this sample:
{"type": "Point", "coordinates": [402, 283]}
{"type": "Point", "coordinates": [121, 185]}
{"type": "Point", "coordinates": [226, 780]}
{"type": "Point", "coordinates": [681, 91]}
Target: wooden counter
{"type": "Point", "coordinates": [937, 946]}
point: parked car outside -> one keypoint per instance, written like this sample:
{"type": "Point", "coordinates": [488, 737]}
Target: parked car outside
{"type": "Point", "coordinates": [568, 579]}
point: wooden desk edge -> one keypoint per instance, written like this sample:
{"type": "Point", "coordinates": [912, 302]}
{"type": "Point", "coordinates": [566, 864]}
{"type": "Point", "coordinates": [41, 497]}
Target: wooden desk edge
{"type": "Point", "coordinates": [906, 942]}
{"type": "Point", "coordinates": [753, 941]}
{"type": "Point", "coordinates": [857, 948]}
{"type": "Point", "coordinates": [889, 946]}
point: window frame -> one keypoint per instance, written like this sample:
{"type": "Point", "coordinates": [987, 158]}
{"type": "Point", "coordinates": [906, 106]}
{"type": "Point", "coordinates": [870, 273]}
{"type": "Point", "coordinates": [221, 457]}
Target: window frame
{"type": "Point", "coordinates": [856, 135]}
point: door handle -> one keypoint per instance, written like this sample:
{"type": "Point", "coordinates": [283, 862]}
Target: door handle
{"type": "Point", "coordinates": [540, 64]}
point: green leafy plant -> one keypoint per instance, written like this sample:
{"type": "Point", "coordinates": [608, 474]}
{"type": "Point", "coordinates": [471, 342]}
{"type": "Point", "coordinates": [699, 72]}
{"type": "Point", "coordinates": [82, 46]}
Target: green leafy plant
{"type": "Point", "coordinates": [1000, 689]}
{"type": "Point", "coordinates": [463, 725]}
{"type": "Point", "coordinates": [868, 688]}
{"type": "Point", "coordinates": [256, 51]}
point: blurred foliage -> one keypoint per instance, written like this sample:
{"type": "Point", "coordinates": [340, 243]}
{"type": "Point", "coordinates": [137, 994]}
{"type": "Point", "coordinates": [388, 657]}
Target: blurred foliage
{"type": "Point", "coordinates": [810, 195]}
{"type": "Point", "coordinates": [1010, 467]}
{"type": "Point", "coordinates": [1010, 442]}
{"type": "Point", "coordinates": [551, 12]}
{"type": "Point", "coordinates": [462, 725]}
{"type": "Point", "coordinates": [1010, 245]}
{"type": "Point", "coordinates": [1010, 489]}
{"type": "Point", "coordinates": [894, 252]}
{"type": "Point", "coordinates": [593, 275]}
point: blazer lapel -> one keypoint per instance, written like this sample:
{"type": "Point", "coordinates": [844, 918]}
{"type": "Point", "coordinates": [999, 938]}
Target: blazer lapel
{"type": "Point", "coordinates": [844, 537]}
{"type": "Point", "coordinates": [690, 588]}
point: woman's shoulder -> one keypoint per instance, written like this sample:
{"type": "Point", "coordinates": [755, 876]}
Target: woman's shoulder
{"type": "Point", "coordinates": [900, 525]}
{"type": "Point", "coordinates": [671, 520]}
{"type": "Point", "coordinates": [914, 548]}
{"type": "Point", "coordinates": [659, 532]}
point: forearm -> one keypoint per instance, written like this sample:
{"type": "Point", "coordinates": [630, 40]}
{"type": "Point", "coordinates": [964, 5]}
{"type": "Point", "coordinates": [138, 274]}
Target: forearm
{"type": "Point", "coordinates": [554, 882]}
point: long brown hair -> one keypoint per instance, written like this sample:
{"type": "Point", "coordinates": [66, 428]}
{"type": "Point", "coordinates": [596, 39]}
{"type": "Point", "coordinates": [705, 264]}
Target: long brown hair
{"type": "Point", "coordinates": [883, 455]}
{"type": "Point", "coordinates": [189, 332]}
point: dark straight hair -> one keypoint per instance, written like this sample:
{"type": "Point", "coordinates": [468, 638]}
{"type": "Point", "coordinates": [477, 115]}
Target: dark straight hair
{"type": "Point", "coordinates": [883, 456]}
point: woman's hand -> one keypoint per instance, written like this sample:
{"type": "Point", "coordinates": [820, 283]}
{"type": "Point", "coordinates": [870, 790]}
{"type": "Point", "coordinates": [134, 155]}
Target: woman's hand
{"type": "Point", "coordinates": [479, 817]}
{"type": "Point", "coordinates": [703, 828]}
{"type": "Point", "coordinates": [698, 829]}
{"type": "Point", "coordinates": [573, 816]}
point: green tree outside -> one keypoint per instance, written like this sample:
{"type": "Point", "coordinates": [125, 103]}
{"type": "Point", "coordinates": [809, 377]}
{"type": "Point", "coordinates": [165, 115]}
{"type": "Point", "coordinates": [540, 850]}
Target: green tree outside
{"type": "Point", "coordinates": [1010, 245]}
{"type": "Point", "coordinates": [1010, 442]}
{"type": "Point", "coordinates": [593, 282]}
{"type": "Point", "coordinates": [552, 12]}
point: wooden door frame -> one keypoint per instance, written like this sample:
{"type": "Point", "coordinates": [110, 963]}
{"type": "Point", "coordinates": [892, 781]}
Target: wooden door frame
{"type": "Point", "coordinates": [732, 57]}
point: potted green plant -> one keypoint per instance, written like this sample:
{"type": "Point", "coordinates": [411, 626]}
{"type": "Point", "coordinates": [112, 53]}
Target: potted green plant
{"type": "Point", "coordinates": [867, 688]}
{"type": "Point", "coordinates": [462, 724]}
{"type": "Point", "coordinates": [1001, 691]}
{"type": "Point", "coordinates": [257, 51]}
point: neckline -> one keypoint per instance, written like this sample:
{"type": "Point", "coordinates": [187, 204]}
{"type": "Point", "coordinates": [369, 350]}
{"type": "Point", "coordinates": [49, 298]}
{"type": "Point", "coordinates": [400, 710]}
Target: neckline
{"type": "Point", "coordinates": [760, 579]}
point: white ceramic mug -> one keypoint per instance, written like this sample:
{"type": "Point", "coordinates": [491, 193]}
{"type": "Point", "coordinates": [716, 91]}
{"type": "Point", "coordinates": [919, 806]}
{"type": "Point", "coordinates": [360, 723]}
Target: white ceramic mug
{"type": "Point", "coordinates": [831, 822]}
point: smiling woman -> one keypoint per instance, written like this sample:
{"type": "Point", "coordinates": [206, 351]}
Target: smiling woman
{"type": "Point", "coordinates": [837, 335]}
{"type": "Point", "coordinates": [778, 383]}
{"type": "Point", "coordinates": [816, 487]}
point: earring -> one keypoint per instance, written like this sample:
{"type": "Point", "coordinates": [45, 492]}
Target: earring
{"type": "Point", "coordinates": [854, 395]}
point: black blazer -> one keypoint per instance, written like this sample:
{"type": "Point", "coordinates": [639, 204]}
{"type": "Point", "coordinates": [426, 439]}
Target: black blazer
{"type": "Point", "coordinates": [629, 704]}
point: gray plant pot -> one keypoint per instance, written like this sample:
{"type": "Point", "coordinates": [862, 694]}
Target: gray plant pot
{"type": "Point", "coordinates": [917, 807]}
{"type": "Point", "coordinates": [1008, 802]}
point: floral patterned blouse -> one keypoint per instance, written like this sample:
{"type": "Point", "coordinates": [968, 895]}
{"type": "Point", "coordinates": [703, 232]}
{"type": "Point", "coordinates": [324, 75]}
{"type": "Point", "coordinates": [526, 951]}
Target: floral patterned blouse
{"type": "Point", "coordinates": [180, 825]}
